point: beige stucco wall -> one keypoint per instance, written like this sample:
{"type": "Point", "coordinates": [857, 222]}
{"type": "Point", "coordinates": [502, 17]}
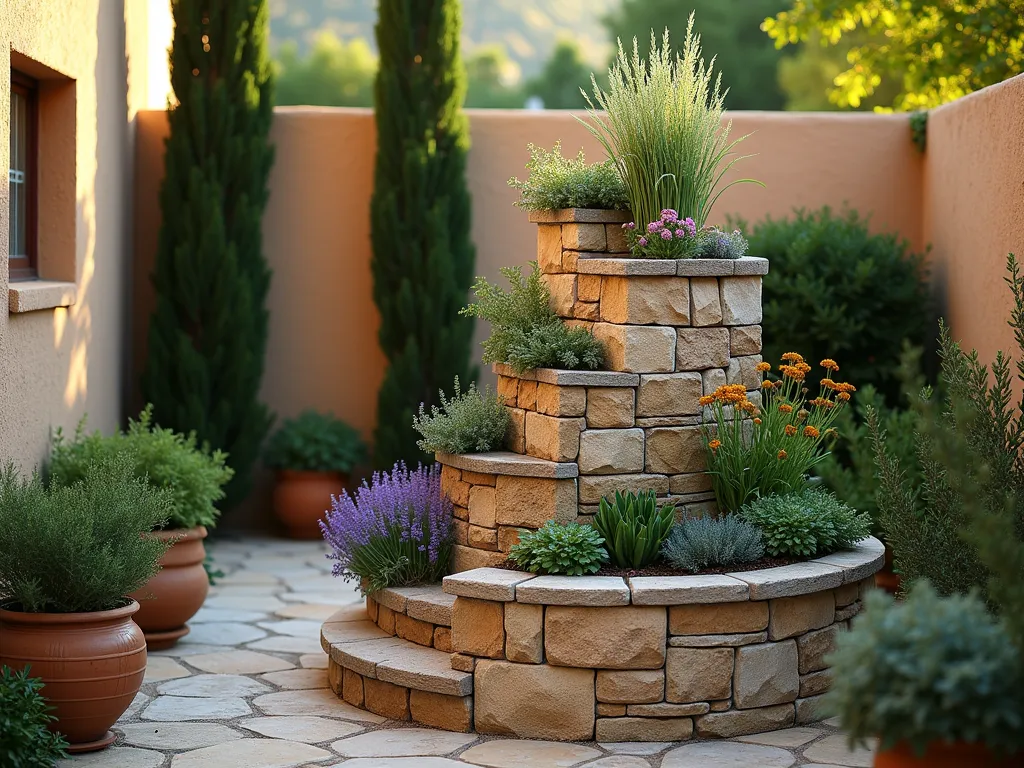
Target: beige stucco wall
{"type": "Point", "coordinates": [974, 210]}
{"type": "Point", "coordinates": [57, 364]}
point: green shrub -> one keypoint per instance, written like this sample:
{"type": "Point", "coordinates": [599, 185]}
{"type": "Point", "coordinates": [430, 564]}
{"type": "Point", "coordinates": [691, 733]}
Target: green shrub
{"type": "Point", "coordinates": [80, 547]}
{"type": "Point", "coordinates": [698, 543]}
{"type": "Point", "coordinates": [561, 182]}
{"type": "Point", "coordinates": [929, 669]}
{"type": "Point", "coordinates": [315, 442]}
{"type": "Point", "coordinates": [662, 125]}
{"type": "Point", "coordinates": [810, 523]}
{"type": "Point", "coordinates": [634, 527]}
{"type": "Point", "coordinates": [192, 476]}
{"type": "Point", "coordinates": [525, 332]}
{"type": "Point", "coordinates": [570, 549]}
{"type": "Point", "coordinates": [471, 422]}
{"type": "Point", "coordinates": [850, 470]}
{"type": "Point", "coordinates": [25, 741]}
{"type": "Point", "coordinates": [836, 290]}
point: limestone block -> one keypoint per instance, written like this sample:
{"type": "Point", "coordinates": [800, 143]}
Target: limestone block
{"type": "Point", "coordinates": [460, 513]}
{"type": "Point", "coordinates": [574, 591]}
{"type": "Point", "coordinates": [449, 713]}
{"type": "Point", "coordinates": [846, 594]}
{"type": "Point", "coordinates": [443, 639]}
{"type": "Point", "coordinates": [463, 663]}
{"type": "Point", "coordinates": [809, 710]}
{"type": "Point", "coordinates": [532, 501]}
{"type": "Point", "coordinates": [554, 400]}
{"type": "Point", "coordinates": [610, 710]}
{"type": "Point", "coordinates": [766, 674]}
{"type": "Point", "coordinates": [559, 706]}
{"type": "Point", "coordinates": [524, 633]}
{"type": "Point", "coordinates": [478, 478]}
{"type": "Point", "coordinates": [386, 619]}
{"type": "Point", "coordinates": [335, 676]}
{"type": "Point", "coordinates": [664, 709]}
{"type": "Point", "coordinates": [611, 451]}
{"type": "Point", "coordinates": [616, 237]}
{"type": "Point", "coordinates": [478, 627]}
{"type": "Point", "coordinates": [815, 683]}
{"type": "Point", "coordinates": [583, 237]}
{"type": "Point", "coordinates": [483, 538]}
{"type": "Point", "coordinates": [675, 450]}
{"type": "Point", "coordinates": [588, 287]}
{"type": "Point", "coordinates": [527, 398]}
{"type": "Point", "coordinates": [627, 637]}
{"type": "Point", "coordinates": [712, 379]}
{"type": "Point", "coordinates": [570, 261]}
{"type": "Point", "coordinates": [645, 300]}
{"type": "Point", "coordinates": [508, 537]}
{"type": "Point", "coordinates": [385, 699]}
{"type": "Point", "coordinates": [593, 488]}
{"type": "Point", "coordinates": [726, 725]}
{"type": "Point", "coordinates": [515, 438]}
{"type": "Point", "coordinates": [609, 407]}
{"type": "Point", "coordinates": [686, 590]}
{"type": "Point", "coordinates": [563, 293]}
{"type": "Point", "coordinates": [694, 482]}
{"type": "Point", "coordinates": [466, 558]}
{"type": "Point", "coordinates": [792, 616]}
{"type": "Point", "coordinates": [717, 641]}
{"type": "Point", "coordinates": [587, 310]}
{"type": "Point", "coordinates": [698, 674]}
{"type": "Point", "coordinates": [721, 706]}
{"type": "Point", "coordinates": [743, 370]}
{"type": "Point", "coordinates": [481, 506]}
{"type": "Point", "coordinates": [371, 609]}
{"type": "Point", "coordinates": [616, 729]}
{"type": "Point", "coordinates": [637, 348]}
{"type": "Point", "coordinates": [460, 532]}
{"type": "Point", "coordinates": [549, 248]}
{"type": "Point", "coordinates": [718, 619]}
{"type": "Point", "coordinates": [449, 477]}
{"type": "Point", "coordinates": [741, 300]}
{"type": "Point", "coordinates": [706, 306]}
{"type": "Point", "coordinates": [634, 686]}
{"type": "Point", "coordinates": [352, 688]}
{"type": "Point", "coordinates": [700, 348]}
{"type": "Point", "coordinates": [848, 612]}
{"type": "Point", "coordinates": [508, 390]}
{"type": "Point", "coordinates": [414, 630]}
{"type": "Point", "coordinates": [745, 340]}
{"type": "Point", "coordinates": [814, 647]}
{"type": "Point", "coordinates": [552, 438]}
{"type": "Point", "coordinates": [668, 394]}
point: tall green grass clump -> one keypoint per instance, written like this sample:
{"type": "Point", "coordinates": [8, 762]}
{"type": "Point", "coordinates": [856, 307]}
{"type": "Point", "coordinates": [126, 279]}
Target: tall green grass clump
{"type": "Point", "coordinates": [663, 129]}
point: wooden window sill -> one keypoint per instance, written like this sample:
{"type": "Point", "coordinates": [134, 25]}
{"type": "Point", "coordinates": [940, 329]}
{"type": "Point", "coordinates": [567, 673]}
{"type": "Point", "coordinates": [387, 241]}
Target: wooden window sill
{"type": "Point", "coordinates": [35, 295]}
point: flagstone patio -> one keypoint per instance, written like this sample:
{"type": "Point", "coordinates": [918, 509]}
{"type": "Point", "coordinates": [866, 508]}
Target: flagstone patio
{"type": "Point", "coordinates": [247, 688]}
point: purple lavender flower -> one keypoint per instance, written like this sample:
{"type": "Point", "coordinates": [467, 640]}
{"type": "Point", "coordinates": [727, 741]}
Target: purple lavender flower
{"type": "Point", "coordinates": [669, 215]}
{"type": "Point", "coordinates": [395, 531]}
{"type": "Point", "coordinates": [629, 225]}
{"type": "Point", "coordinates": [666, 234]}
{"type": "Point", "coordinates": [642, 242]}
{"type": "Point", "coordinates": [654, 226]}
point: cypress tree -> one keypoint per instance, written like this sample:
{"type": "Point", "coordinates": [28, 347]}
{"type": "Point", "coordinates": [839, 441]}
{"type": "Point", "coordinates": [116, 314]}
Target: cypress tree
{"type": "Point", "coordinates": [208, 332]}
{"type": "Point", "coordinates": [420, 215]}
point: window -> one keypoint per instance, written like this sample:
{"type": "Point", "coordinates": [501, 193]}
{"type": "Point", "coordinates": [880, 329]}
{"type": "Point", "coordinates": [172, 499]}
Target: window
{"type": "Point", "coordinates": [22, 177]}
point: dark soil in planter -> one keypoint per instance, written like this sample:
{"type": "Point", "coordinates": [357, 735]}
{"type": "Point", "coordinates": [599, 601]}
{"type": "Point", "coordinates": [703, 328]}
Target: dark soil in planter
{"type": "Point", "coordinates": [661, 569]}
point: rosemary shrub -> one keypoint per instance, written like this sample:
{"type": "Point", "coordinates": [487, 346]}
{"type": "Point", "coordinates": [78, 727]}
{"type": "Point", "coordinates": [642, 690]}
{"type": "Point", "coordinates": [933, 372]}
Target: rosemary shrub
{"type": "Point", "coordinates": [663, 128]}
{"type": "Point", "coordinates": [697, 543]}
{"type": "Point", "coordinates": [469, 422]}
{"type": "Point", "coordinates": [566, 182]}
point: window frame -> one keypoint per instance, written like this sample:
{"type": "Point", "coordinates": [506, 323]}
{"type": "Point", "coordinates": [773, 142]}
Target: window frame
{"type": "Point", "coordinates": [26, 267]}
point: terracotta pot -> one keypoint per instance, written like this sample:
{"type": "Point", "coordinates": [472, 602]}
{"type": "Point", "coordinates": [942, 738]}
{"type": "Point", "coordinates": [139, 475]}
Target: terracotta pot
{"type": "Point", "coordinates": [302, 498]}
{"type": "Point", "coordinates": [173, 596]}
{"type": "Point", "coordinates": [91, 664]}
{"type": "Point", "coordinates": [941, 754]}
{"type": "Point", "coordinates": [886, 578]}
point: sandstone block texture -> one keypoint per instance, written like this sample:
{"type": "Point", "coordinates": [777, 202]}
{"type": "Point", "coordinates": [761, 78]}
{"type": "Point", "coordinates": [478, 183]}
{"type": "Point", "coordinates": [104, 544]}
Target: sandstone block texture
{"type": "Point", "coordinates": [626, 637]}
{"type": "Point", "coordinates": [478, 627]}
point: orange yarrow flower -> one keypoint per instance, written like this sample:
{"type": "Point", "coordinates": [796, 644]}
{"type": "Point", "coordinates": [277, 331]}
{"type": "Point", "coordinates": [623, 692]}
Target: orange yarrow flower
{"type": "Point", "coordinates": [793, 372]}
{"type": "Point", "coordinates": [828, 384]}
{"type": "Point", "coordinates": [714, 445]}
{"type": "Point", "coordinates": [810, 431]}
{"type": "Point", "coordinates": [846, 387]}
{"type": "Point", "coordinates": [762, 367]}
{"type": "Point", "coordinates": [785, 408]}
{"type": "Point", "coordinates": [781, 455]}
{"type": "Point", "coordinates": [707, 400]}
{"type": "Point", "coordinates": [843, 396]}
{"type": "Point", "coordinates": [829, 364]}
{"type": "Point", "coordinates": [793, 357]}
{"type": "Point", "coordinates": [757, 421]}
{"type": "Point", "coordinates": [790, 430]}
{"type": "Point", "coordinates": [767, 384]}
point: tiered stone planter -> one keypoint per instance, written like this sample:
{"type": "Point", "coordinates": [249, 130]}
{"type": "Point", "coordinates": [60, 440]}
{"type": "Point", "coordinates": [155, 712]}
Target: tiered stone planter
{"type": "Point", "coordinates": [639, 659]}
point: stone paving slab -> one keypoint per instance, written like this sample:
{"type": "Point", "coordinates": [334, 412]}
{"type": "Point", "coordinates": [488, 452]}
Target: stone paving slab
{"type": "Point", "coordinates": [280, 714]}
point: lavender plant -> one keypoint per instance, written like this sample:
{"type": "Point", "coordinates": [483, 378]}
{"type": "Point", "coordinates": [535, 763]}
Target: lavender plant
{"type": "Point", "coordinates": [394, 532]}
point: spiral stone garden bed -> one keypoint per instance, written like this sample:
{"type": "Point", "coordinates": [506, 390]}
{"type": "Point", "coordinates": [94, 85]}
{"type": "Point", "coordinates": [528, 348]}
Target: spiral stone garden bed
{"type": "Point", "coordinates": [579, 658]}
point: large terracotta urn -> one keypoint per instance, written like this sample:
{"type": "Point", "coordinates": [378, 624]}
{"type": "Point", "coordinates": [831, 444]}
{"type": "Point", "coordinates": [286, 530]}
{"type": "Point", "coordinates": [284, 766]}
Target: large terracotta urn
{"type": "Point", "coordinates": [91, 664]}
{"type": "Point", "coordinates": [941, 754]}
{"type": "Point", "coordinates": [302, 498]}
{"type": "Point", "coordinates": [172, 596]}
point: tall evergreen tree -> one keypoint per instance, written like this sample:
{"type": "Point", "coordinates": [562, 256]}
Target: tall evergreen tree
{"type": "Point", "coordinates": [420, 215]}
{"type": "Point", "coordinates": [208, 333]}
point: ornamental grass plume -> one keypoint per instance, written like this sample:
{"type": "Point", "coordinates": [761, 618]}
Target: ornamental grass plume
{"type": "Point", "coordinates": [394, 532]}
{"type": "Point", "coordinates": [754, 450]}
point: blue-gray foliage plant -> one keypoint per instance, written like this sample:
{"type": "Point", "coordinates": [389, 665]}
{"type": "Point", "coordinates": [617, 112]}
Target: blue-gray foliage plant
{"type": "Point", "coordinates": [394, 532]}
{"type": "Point", "coordinates": [698, 543]}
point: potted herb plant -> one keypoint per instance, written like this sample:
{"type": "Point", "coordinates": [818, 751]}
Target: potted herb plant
{"type": "Point", "coordinates": [71, 555]}
{"type": "Point", "coordinates": [194, 478]}
{"type": "Point", "coordinates": [313, 455]}
{"type": "Point", "coordinates": [937, 680]}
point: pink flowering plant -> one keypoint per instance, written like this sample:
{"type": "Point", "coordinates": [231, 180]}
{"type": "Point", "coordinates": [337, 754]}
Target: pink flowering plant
{"type": "Point", "coordinates": [394, 532]}
{"type": "Point", "coordinates": [672, 237]}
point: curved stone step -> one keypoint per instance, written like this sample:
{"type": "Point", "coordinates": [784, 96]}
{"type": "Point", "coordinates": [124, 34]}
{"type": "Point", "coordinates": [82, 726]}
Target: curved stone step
{"type": "Point", "coordinates": [367, 650]}
{"type": "Point", "coordinates": [428, 603]}
{"type": "Point", "coordinates": [509, 463]}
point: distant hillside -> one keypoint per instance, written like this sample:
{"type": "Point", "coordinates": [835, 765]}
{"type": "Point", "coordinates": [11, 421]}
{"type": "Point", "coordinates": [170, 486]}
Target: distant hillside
{"type": "Point", "coordinates": [528, 29]}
